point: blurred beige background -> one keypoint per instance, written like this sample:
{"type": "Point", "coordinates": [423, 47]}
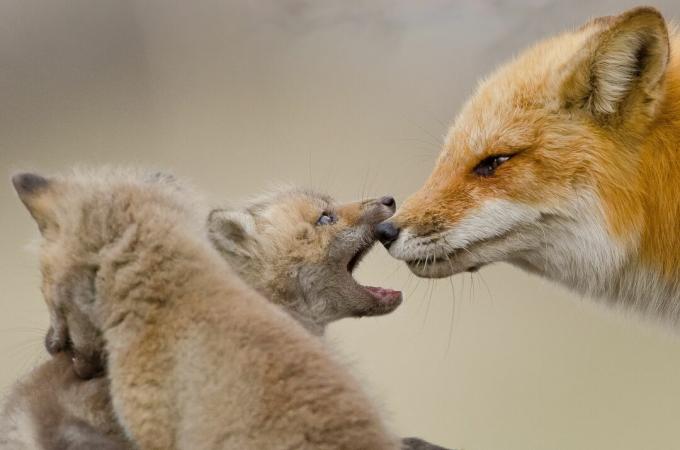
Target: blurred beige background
{"type": "Point", "coordinates": [350, 97]}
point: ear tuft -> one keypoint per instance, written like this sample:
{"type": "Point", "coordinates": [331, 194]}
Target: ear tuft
{"type": "Point", "coordinates": [598, 22]}
{"type": "Point", "coordinates": [625, 64]}
{"type": "Point", "coordinates": [27, 184]}
{"type": "Point", "coordinates": [36, 193]}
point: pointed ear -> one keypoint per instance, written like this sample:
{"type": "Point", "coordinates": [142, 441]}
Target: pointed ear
{"type": "Point", "coordinates": [622, 67]}
{"type": "Point", "coordinates": [37, 193]}
{"type": "Point", "coordinates": [232, 231]}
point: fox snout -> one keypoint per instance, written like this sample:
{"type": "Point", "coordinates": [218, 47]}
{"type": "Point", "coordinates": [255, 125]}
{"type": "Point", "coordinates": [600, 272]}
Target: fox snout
{"type": "Point", "coordinates": [387, 233]}
{"type": "Point", "coordinates": [389, 202]}
{"type": "Point", "coordinates": [374, 211]}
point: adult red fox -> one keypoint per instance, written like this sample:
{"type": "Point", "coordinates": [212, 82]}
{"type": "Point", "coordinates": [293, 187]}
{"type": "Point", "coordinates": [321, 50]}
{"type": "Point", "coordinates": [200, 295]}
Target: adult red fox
{"type": "Point", "coordinates": [566, 162]}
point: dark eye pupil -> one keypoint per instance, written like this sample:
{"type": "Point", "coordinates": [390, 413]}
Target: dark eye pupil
{"type": "Point", "coordinates": [489, 165]}
{"type": "Point", "coordinates": [326, 219]}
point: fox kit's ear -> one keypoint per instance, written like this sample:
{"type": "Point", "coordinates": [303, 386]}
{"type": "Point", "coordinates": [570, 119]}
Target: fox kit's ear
{"type": "Point", "coordinates": [621, 67]}
{"type": "Point", "coordinates": [232, 231]}
{"type": "Point", "coordinates": [37, 193]}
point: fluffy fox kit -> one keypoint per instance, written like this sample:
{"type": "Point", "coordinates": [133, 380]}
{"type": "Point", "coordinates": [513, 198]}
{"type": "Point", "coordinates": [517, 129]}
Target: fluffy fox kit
{"type": "Point", "coordinates": [565, 162]}
{"type": "Point", "coordinates": [196, 359]}
{"type": "Point", "coordinates": [299, 249]}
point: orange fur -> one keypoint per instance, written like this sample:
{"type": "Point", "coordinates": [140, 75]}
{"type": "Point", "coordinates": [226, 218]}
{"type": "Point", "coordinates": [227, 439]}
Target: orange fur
{"type": "Point", "coordinates": [660, 175]}
{"type": "Point", "coordinates": [590, 111]}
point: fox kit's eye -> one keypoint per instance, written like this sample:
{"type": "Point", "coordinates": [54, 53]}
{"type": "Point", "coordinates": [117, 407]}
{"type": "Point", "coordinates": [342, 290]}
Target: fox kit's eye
{"type": "Point", "coordinates": [489, 165]}
{"type": "Point", "coordinates": [326, 218]}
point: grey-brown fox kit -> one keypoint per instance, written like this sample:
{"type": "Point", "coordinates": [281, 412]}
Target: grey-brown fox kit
{"type": "Point", "coordinates": [196, 359]}
{"type": "Point", "coordinates": [52, 408]}
{"type": "Point", "coordinates": [299, 248]}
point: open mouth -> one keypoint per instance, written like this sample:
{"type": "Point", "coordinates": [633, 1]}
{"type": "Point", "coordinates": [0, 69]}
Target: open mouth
{"type": "Point", "coordinates": [358, 256]}
{"type": "Point", "coordinates": [386, 300]}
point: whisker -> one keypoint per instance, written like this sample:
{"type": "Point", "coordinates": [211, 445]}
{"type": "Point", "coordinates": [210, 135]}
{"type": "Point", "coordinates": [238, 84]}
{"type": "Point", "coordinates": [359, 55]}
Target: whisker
{"type": "Point", "coordinates": [488, 291]}
{"type": "Point", "coordinates": [415, 287]}
{"type": "Point", "coordinates": [396, 269]}
{"type": "Point", "coordinates": [472, 287]}
{"type": "Point", "coordinates": [436, 141]}
{"type": "Point", "coordinates": [19, 350]}
{"type": "Point", "coordinates": [362, 197]}
{"type": "Point", "coordinates": [469, 252]}
{"type": "Point", "coordinates": [407, 283]}
{"type": "Point", "coordinates": [429, 301]}
{"type": "Point", "coordinates": [371, 186]}
{"type": "Point", "coordinates": [424, 262]}
{"type": "Point", "coordinates": [429, 292]}
{"type": "Point", "coordinates": [545, 245]}
{"type": "Point", "coordinates": [309, 166]}
{"type": "Point", "coordinates": [462, 288]}
{"type": "Point", "coordinates": [453, 307]}
{"type": "Point", "coordinates": [29, 361]}
{"type": "Point", "coordinates": [27, 330]}
{"type": "Point", "coordinates": [423, 269]}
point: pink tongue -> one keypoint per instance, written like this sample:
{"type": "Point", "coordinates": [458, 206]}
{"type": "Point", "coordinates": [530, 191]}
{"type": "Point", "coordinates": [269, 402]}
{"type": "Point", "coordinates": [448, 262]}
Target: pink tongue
{"type": "Point", "coordinates": [382, 292]}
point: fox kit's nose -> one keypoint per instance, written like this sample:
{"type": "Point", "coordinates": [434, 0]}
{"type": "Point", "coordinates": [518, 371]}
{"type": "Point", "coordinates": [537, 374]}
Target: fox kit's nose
{"type": "Point", "coordinates": [388, 201]}
{"type": "Point", "coordinates": [387, 233]}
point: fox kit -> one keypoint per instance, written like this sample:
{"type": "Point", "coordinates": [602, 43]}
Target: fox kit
{"type": "Point", "coordinates": [566, 162]}
{"type": "Point", "coordinates": [195, 358]}
{"type": "Point", "coordinates": [299, 248]}
{"type": "Point", "coordinates": [54, 409]}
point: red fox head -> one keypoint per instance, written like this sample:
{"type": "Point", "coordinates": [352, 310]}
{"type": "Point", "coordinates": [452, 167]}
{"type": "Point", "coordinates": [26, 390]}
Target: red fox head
{"type": "Point", "coordinates": [541, 167]}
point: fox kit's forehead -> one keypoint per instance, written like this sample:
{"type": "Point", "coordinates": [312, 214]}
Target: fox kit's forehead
{"type": "Point", "coordinates": [291, 203]}
{"type": "Point", "coordinates": [286, 196]}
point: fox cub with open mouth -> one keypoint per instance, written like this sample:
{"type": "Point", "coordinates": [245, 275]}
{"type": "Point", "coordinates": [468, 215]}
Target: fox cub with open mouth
{"type": "Point", "coordinates": [299, 249]}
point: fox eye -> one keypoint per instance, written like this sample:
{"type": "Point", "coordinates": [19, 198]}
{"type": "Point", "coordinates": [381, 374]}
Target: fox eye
{"type": "Point", "coordinates": [489, 165]}
{"type": "Point", "coordinates": [326, 218]}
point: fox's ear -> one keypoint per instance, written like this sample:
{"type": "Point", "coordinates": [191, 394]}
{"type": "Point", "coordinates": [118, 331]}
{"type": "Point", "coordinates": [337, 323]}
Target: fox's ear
{"type": "Point", "coordinates": [622, 66]}
{"type": "Point", "coordinates": [232, 231]}
{"type": "Point", "coordinates": [38, 194]}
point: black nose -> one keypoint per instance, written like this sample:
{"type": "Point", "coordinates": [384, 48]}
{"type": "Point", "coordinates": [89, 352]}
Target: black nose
{"type": "Point", "coordinates": [388, 201]}
{"type": "Point", "coordinates": [387, 233]}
